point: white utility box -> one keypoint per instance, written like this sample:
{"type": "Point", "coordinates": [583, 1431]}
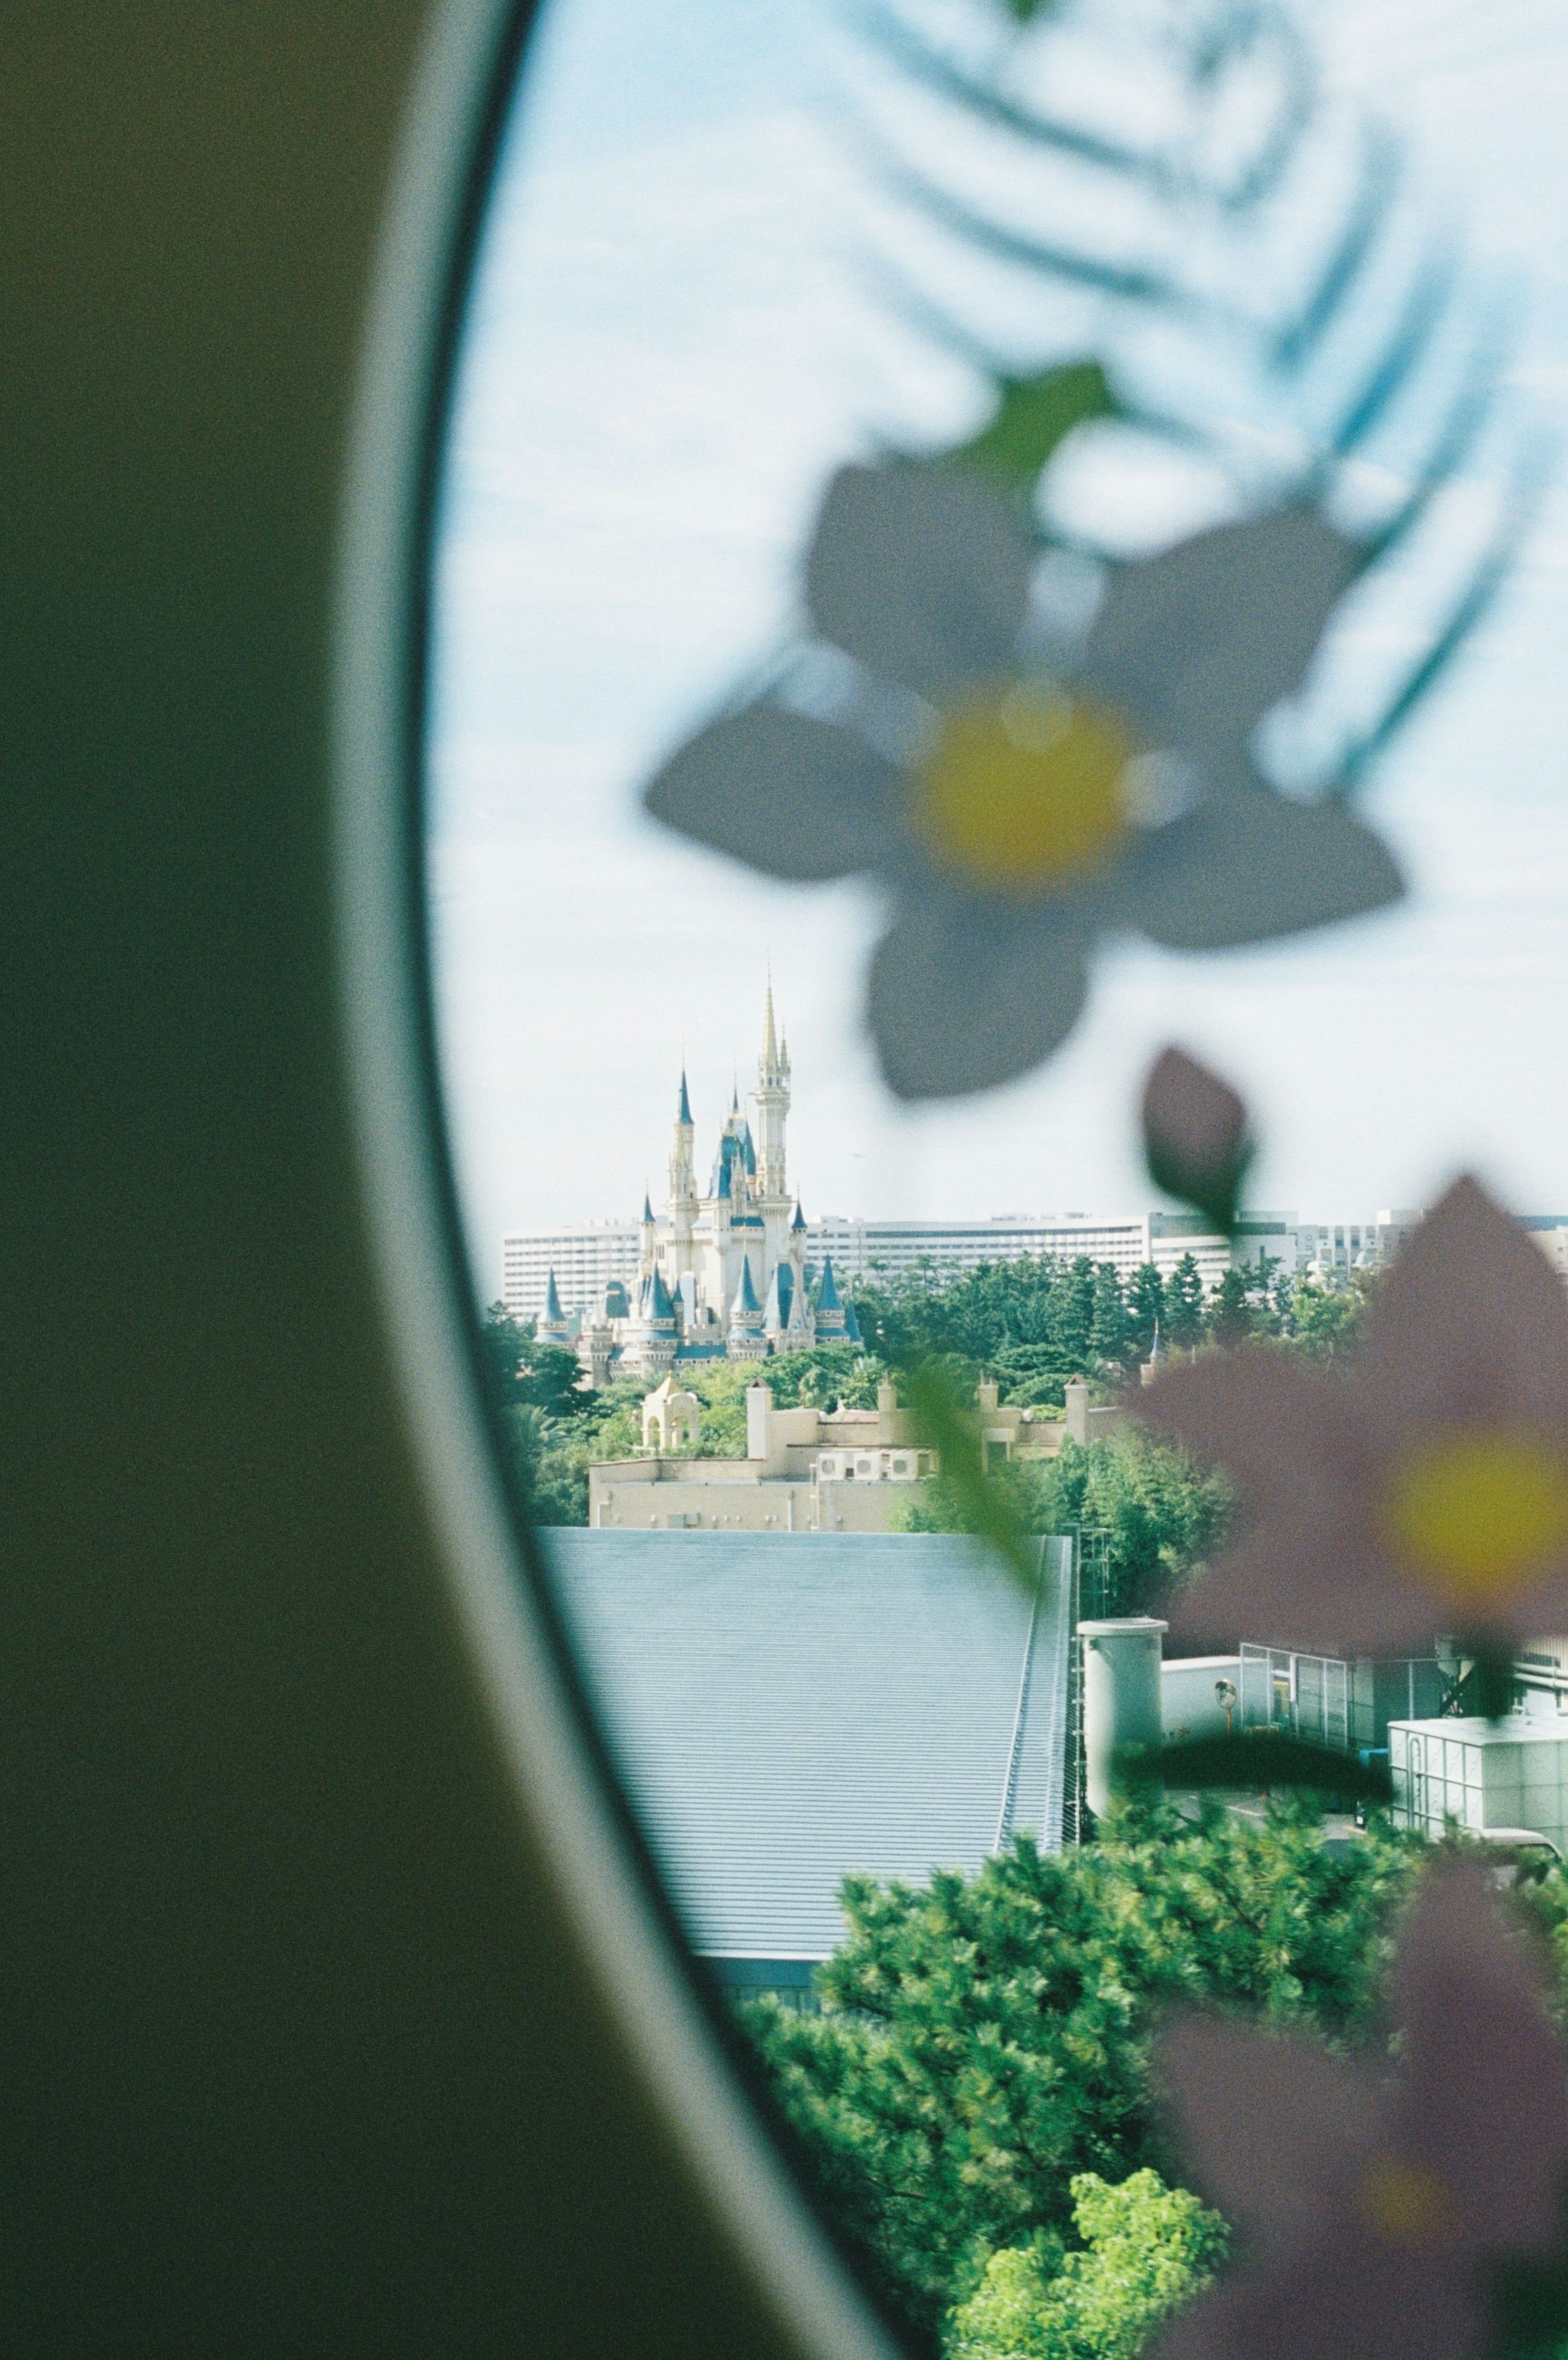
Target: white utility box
{"type": "Point", "coordinates": [1492, 1777]}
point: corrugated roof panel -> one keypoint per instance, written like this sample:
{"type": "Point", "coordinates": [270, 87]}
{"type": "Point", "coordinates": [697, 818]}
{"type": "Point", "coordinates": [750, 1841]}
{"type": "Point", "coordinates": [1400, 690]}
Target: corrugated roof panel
{"type": "Point", "coordinates": [788, 1708]}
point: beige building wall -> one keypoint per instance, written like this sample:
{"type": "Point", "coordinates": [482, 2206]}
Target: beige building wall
{"type": "Point", "coordinates": [662, 1494]}
{"type": "Point", "coordinates": [811, 1470]}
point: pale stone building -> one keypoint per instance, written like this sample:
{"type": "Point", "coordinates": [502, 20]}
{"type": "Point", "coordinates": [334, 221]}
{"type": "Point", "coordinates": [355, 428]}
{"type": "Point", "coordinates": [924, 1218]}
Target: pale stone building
{"type": "Point", "coordinates": [811, 1470]}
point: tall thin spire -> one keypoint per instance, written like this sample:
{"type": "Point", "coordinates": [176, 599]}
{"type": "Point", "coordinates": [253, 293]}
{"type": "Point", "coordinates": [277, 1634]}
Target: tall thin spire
{"type": "Point", "coordinates": [685, 1108]}
{"type": "Point", "coordinates": [770, 1038]}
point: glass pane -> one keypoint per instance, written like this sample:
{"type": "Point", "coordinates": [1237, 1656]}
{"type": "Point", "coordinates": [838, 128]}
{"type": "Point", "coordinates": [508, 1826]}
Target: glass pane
{"type": "Point", "coordinates": [980, 541]}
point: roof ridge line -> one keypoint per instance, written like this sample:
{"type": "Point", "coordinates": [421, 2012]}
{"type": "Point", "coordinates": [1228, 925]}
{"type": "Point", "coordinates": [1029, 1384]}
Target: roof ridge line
{"type": "Point", "coordinates": [1020, 1717]}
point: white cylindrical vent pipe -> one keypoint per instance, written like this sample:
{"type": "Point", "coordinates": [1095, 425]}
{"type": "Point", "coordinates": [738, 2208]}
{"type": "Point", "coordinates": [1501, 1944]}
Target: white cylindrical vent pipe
{"type": "Point", "coordinates": [1121, 1695]}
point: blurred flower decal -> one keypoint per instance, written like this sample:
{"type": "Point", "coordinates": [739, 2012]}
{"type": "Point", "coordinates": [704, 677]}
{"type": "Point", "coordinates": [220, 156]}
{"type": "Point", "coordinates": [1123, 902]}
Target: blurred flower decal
{"type": "Point", "coordinates": [1161, 262]}
{"type": "Point", "coordinates": [1378, 2213]}
{"type": "Point", "coordinates": [1019, 798]}
{"type": "Point", "coordinates": [1425, 1492]}
{"type": "Point", "coordinates": [1195, 1136]}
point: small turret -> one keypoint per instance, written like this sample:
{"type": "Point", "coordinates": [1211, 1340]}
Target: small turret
{"type": "Point", "coordinates": [831, 1325]}
{"type": "Point", "coordinates": [780, 1303]}
{"type": "Point", "coordinates": [653, 1339]}
{"type": "Point", "coordinates": [747, 1341]}
{"type": "Point", "coordinates": [553, 1326]}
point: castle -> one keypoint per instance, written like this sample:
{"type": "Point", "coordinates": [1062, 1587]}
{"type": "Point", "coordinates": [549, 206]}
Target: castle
{"type": "Point", "coordinates": [721, 1276]}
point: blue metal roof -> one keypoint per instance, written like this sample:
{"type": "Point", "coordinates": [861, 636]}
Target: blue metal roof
{"type": "Point", "coordinates": [788, 1708]}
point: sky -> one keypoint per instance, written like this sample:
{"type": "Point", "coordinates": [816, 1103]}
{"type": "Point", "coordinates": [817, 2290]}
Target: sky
{"type": "Point", "coordinates": [673, 337]}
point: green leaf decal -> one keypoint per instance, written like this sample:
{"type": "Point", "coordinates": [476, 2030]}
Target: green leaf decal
{"type": "Point", "coordinates": [1033, 415]}
{"type": "Point", "coordinates": [987, 1510]}
{"type": "Point", "coordinates": [1252, 1761]}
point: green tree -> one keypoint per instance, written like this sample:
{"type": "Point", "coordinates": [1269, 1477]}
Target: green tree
{"type": "Point", "coordinates": [1229, 1319]}
{"type": "Point", "coordinates": [984, 2040]}
{"type": "Point", "coordinates": [550, 1463]}
{"type": "Point", "coordinates": [1326, 1322]}
{"type": "Point", "coordinates": [1163, 1512]}
{"type": "Point", "coordinates": [1110, 1330]}
{"type": "Point", "coordinates": [1075, 1318]}
{"type": "Point", "coordinates": [1146, 2249]}
{"type": "Point", "coordinates": [1184, 1302]}
{"type": "Point", "coordinates": [505, 1342]}
{"type": "Point", "coordinates": [1031, 1373]}
{"type": "Point", "coordinates": [1146, 1307]}
{"type": "Point", "coordinates": [551, 1378]}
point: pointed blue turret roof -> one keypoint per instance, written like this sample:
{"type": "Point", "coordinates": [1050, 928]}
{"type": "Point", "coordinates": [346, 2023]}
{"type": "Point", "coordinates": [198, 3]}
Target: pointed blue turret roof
{"type": "Point", "coordinates": [552, 1300]}
{"type": "Point", "coordinates": [827, 1293]}
{"type": "Point", "coordinates": [799, 1222]}
{"type": "Point", "coordinates": [851, 1324]}
{"type": "Point", "coordinates": [647, 1210]}
{"type": "Point", "coordinates": [748, 1296]}
{"type": "Point", "coordinates": [780, 1294]}
{"type": "Point", "coordinates": [722, 1182]}
{"type": "Point", "coordinates": [685, 1112]}
{"type": "Point", "coordinates": [659, 1303]}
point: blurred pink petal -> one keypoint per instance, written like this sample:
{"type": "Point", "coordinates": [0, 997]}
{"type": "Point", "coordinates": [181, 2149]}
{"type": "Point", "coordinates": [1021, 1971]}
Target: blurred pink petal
{"type": "Point", "coordinates": [1467, 1348]}
{"type": "Point", "coordinates": [1348, 2299]}
{"type": "Point", "coordinates": [1269, 2126]}
{"type": "Point", "coordinates": [1480, 2052]}
{"type": "Point", "coordinates": [1293, 1441]}
{"type": "Point", "coordinates": [1470, 1328]}
{"type": "Point", "coordinates": [1277, 1590]}
{"type": "Point", "coordinates": [1404, 2196]}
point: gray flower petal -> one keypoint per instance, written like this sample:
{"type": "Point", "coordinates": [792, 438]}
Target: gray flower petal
{"type": "Point", "coordinates": [1196, 644]}
{"type": "Point", "coordinates": [918, 572]}
{"type": "Point", "coordinates": [1250, 865]}
{"type": "Point", "coordinates": [968, 992]}
{"type": "Point", "coordinates": [793, 796]}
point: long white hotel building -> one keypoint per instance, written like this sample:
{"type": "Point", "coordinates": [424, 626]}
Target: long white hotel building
{"type": "Point", "coordinates": [589, 1255]}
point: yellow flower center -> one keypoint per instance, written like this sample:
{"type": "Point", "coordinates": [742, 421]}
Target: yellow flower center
{"type": "Point", "coordinates": [1474, 1514]}
{"type": "Point", "coordinates": [1023, 788]}
{"type": "Point", "coordinates": [1403, 2205]}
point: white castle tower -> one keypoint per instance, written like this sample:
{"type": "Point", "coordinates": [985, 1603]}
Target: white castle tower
{"type": "Point", "coordinates": [723, 1274]}
{"type": "Point", "coordinates": [770, 1099]}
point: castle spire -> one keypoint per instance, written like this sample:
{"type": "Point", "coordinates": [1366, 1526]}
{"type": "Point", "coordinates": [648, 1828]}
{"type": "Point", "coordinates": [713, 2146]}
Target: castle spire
{"type": "Point", "coordinates": [682, 1175]}
{"type": "Point", "coordinates": [771, 1095]}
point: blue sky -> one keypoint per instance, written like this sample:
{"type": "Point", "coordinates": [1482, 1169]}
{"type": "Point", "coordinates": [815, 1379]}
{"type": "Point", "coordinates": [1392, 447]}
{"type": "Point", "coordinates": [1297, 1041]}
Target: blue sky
{"type": "Point", "coordinates": [672, 340]}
